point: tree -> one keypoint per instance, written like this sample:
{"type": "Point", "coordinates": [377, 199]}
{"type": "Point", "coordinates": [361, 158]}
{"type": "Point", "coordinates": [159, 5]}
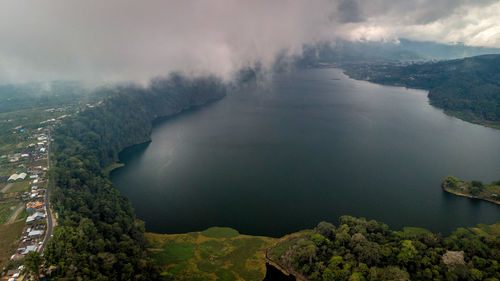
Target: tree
{"type": "Point", "coordinates": [326, 229]}
{"type": "Point", "coordinates": [475, 190]}
{"type": "Point", "coordinates": [478, 184]}
{"type": "Point", "coordinates": [32, 263]}
{"type": "Point", "coordinates": [407, 252]}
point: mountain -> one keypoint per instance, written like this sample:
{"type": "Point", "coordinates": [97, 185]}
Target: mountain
{"type": "Point", "coordinates": [404, 50]}
{"type": "Point", "coordinates": [445, 51]}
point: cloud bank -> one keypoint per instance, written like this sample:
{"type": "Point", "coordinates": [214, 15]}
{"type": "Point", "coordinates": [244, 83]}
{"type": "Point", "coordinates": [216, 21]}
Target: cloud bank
{"type": "Point", "coordinates": [118, 40]}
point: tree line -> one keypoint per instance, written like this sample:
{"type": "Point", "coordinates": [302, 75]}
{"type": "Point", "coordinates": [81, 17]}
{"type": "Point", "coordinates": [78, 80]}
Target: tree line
{"type": "Point", "coordinates": [358, 249]}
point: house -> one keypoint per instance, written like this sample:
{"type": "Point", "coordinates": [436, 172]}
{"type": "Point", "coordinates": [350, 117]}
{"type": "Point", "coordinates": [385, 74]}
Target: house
{"type": "Point", "coordinates": [16, 257]}
{"type": "Point", "coordinates": [34, 187]}
{"type": "Point", "coordinates": [13, 272]}
{"type": "Point", "coordinates": [33, 206]}
{"type": "Point", "coordinates": [30, 248]}
{"type": "Point", "coordinates": [35, 233]}
{"type": "Point", "coordinates": [36, 216]}
{"type": "Point", "coordinates": [42, 149]}
{"type": "Point", "coordinates": [14, 159]}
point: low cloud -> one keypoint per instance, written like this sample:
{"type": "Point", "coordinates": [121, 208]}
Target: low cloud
{"type": "Point", "coordinates": [118, 40]}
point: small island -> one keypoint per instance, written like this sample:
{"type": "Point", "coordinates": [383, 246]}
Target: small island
{"type": "Point", "coordinates": [474, 189]}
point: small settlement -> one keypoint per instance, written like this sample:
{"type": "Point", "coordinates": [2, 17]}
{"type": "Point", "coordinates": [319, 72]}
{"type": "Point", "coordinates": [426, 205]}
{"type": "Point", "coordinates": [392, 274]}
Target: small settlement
{"type": "Point", "coordinates": [24, 162]}
{"type": "Point", "coordinates": [25, 190]}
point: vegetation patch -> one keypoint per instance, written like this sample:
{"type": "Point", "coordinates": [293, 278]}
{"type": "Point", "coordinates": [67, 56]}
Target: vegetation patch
{"type": "Point", "coordinates": [5, 210]}
{"type": "Point", "coordinates": [224, 257]}
{"type": "Point", "coordinates": [225, 275]}
{"type": "Point", "coordinates": [9, 234]}
{"type": "Point", "coordinates": [175, 253]}
{"type": "Point", "coordinates": [106, 171]}
{"type": "Point", "coordinates": [358, 249]}
{"type": "Point", "coordinates": [413, 232]}
{"type": "Point", "coordinates": [220, 232]}
{"type": "Point", "coordinates": [474, 189]}
{"type": "Point", "coordinates": [19, 186]}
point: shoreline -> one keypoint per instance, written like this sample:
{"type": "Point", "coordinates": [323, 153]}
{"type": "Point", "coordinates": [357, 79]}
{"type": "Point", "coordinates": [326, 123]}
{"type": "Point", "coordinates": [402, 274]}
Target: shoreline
{"type": "Point", "coordinates": [117, 164]}
{"type": "Point", "coordinates": [447, 189]}
{"type": "Point", "coordinates": [107, 171]}
{"type": "Point", "coordinates": [455, 114]}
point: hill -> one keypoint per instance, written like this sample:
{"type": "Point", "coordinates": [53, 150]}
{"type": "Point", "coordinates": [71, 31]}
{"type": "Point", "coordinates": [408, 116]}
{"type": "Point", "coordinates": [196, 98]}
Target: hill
{"type": "Point", "coordinates": [466, 88]}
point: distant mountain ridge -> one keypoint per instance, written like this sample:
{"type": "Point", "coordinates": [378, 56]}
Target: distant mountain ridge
{"type": "Point", "coordinates": [445, 51]}
{"type": "Point", "coordinates": [342, 51]}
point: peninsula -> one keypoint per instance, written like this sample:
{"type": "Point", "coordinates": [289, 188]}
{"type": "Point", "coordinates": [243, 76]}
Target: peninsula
{"type": "Point", "coordinates": [474, 189]}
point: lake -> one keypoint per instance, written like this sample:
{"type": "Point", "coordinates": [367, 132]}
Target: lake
{"type": "Point", "coordinates": [284, 154]}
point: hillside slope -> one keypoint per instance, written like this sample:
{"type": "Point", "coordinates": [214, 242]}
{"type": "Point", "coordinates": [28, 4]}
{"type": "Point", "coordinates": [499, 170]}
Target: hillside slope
{"type": "Point", "coordinates": [99, 237]}
{"type": "Point", "coordinates": [466, 88]}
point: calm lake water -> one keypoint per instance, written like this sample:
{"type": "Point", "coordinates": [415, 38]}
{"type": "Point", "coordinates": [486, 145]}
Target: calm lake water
{"type": "Point", "coordinates": [309, 146]}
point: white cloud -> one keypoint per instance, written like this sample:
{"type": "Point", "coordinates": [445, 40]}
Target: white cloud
{"type": "Point", "coordinates": [128, 39]}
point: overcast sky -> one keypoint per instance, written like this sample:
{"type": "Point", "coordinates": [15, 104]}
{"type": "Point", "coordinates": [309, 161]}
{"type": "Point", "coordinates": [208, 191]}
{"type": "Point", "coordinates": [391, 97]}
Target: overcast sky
{"type": "Point", "coordinates": [135, 40]}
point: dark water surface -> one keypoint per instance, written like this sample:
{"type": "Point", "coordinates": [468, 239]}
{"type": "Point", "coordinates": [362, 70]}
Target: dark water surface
{"type": "Point", "coordinates": [309, 146]}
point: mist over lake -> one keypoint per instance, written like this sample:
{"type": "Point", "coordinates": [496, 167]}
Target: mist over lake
{"type": "Point", "coordinates": [307, 146]}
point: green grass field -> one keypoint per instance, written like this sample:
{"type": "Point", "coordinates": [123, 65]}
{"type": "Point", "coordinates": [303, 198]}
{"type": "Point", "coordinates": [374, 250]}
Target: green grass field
{"type": "Point", "coordinates": [5, 210]}
{"type": "Point", "coordinates": [19, 186]}
{"type": "Point", "coordinates": [218, 253]}
{"type": "Point", "coordinates": [9, 234]}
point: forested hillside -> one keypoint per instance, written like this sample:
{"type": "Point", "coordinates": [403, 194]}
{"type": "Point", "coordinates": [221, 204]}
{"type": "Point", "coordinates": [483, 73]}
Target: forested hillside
{"type": "Point", "coordinates": [98, 236]}
{"type": "Point", "coordinates": [358, 249]}
{"type": "Point", "coordinates": [467, 88]}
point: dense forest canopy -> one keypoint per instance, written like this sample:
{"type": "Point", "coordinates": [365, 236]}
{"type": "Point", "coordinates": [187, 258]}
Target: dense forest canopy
{"type": "Point", "coordinates": [358, 249]}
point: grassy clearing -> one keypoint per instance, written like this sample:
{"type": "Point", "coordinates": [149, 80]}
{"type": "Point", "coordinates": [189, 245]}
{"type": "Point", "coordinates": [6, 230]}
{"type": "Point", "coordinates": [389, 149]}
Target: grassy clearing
{"type": "Point", "coordinates": [215, 254]}
{"type": "Point", "coordinates": [19, 186]}
{"type": "Point", "coordinates": [5, 211]}
{"type": "Point", "coordinates": [487, 230]}
{"type": "Point", "coordinates": [9, 234]}
{"type": "Point", "coordinates": [174, 252]}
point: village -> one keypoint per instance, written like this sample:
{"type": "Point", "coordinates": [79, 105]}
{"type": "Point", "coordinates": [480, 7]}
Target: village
{"type": "Point", "coordinates": [26, 220]}
{"type": "Point", "coordinates": [24, 195]}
